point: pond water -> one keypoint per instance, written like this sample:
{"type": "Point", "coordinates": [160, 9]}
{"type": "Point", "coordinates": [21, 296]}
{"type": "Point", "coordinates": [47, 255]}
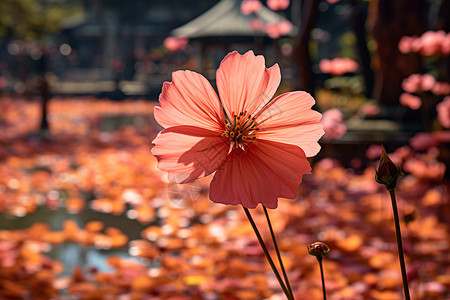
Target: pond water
{"type": "Point", "coordinates": [69, 253]}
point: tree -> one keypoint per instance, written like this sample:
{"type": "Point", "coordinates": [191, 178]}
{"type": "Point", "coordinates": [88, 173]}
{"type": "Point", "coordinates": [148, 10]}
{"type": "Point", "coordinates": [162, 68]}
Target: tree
{"type": "Point", "coordinates": [34, 21]}
{"type": "Point", "coordinates": [306, 12]}
{"type": "Point", "coordinates": [390, 21]}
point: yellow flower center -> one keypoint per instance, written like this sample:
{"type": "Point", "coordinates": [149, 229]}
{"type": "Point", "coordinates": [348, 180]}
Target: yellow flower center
{"type": "Point", "coordinates": [240, 130]}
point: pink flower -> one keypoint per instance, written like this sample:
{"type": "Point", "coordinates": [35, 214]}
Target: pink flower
{"type": "Point", "coordinates": [411, 101]}
{"type": "Point", "coordinates": [442, 136]}
{"type": "Point", "coordinates": [325, 66]}
{"type": "Point", "coordinates": [443, 112]}
{"type": "Point", "coordinates": [173, 43]}
{"type": "Point", "coordinates": [412, 83]}
{"type": "Point", "coordinates": [370, 109]}
{"type": "Point", "coordinates": [338, 66]}
{"type": "Point", "coordinates": [417, 82]}
{"type": "Point", "coordinates": [422, 141]}
{"type": "Point", "coordinates": [250, 6]}
{"type": "Point", "coordinates": [373, 152]}
{"type": "Point", "coordinates": [425, 168]}
{"type": "Point", "coordinates": [333, 124]}
{"type": "Point", "coordinates": [430, 42]}
{"type": "Point", "coordinates": [445, 44]}
{"type": "Point", "coordinates": [257, 147]}
{"type": "Point", "coordinates": [441, 88]}
{"type": "Point", "coordinates": [257, 25]}
{"type": "Point", "coordinates": [275, 30]}
{"type": "Point", "coordinates": [405, 44]}
{"type": "Point", "coordinates": [278, 4]}
{"type": "Point", "coordinates": [427, 82]}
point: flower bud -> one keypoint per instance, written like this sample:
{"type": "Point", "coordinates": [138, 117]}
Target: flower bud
{"type": "Point", "coordinates": [318, 249]}
{"type": "Point", "coordinates": [388, 173]}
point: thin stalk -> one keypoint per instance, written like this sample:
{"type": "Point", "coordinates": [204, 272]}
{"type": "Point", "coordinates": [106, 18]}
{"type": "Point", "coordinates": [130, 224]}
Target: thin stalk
{"type": "Point", "coordinates": [278, 252]}
{"type": "Point", "coordinates": [323, 279]}
{"type": "Point", "coordinates": [266, 253]}
{"type": "Point", "coordinates": [399, 245]}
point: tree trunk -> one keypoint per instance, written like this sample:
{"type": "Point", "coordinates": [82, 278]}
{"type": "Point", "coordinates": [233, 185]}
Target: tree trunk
{"type": "Point", "coordinates": [308, 15]}
{"type": "Point", "coordinates": [44, 90]}
{"type": "Point", "coordinates": [359, 28]}
{"type": "Point", "coordinates": [392, 20]}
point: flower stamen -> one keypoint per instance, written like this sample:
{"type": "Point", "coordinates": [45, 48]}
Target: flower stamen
{"type": "Point", "coordinates": [241, 131]}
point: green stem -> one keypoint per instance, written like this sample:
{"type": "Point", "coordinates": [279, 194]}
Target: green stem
{"type": "Point", "coordinates": [399, 245]}
{"type": "Point", "coordinates": [278, 252]}
{"type": "Point", "coordinates": [323, 279]}
{"type": "Point", "coordinates": [266, 253]}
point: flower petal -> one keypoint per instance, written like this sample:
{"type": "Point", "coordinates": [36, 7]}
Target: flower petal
{"type": "Point", "coordinates": [188, 153]}
{"type": "Point", "coordinates": [289, 119]}
{"type": "Point", "coordinates": [189, 100]}
{"type": "Point", "coordinates": [260, 174]}
{"type": "Point", "coordinates": [244, 83]}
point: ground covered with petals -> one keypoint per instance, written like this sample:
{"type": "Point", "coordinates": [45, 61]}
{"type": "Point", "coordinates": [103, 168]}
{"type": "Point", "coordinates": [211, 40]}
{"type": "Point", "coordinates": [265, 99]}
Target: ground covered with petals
{"type": "Point", "coordinates": [85, 214]}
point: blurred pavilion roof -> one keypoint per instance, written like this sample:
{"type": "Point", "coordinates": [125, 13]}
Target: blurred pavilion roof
{"type": "Point", "coordinates": [225, 19]}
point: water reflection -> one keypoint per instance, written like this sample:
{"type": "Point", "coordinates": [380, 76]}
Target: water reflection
{"type": "Point", "coordinates": [72, 254]}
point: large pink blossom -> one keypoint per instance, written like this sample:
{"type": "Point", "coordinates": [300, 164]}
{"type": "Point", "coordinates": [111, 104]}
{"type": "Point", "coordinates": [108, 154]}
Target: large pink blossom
{"type": "Point", "coordinates": [257, 147]}
{"type": "Point", "coordinates": [443, 110]}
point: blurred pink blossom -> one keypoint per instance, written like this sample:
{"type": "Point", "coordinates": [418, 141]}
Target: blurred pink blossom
{"type": "Point", "coordinates": [423, 168]}
{"type": "Point", "coordinates": [370, 109]}
{"type": "Point", "coordinates": [333, 124]}
{"type": "Point", "coordinates": [442, 136]}
{"type": "Point", "coordinates": [412, 83]}
{"type": "Point", "coordinates": [328, 163]}
{"type": "Point", "coordinates": [333, 1]}
{"type": "Point", "coordinates": [417, 82]}
{"type": "Point", "coordinates": [173, 43]}
{"type": "Point", "coordinates": [3, 82]}
{"type": "Point", "coordinates": [400, 154]}
{"type": "Point", "coordinates": [416, 44]}
{"type": "Point", "coordinates": [278, 4]}
{"type": "Point", "coordinates": [422, 141]}
{"type": "Point", "coordinates": [405, 44]}
{"type": "Point", "coordinates": [117, 65]}
{"type": "Point", "coordinates": [443, 112]}
{"type": "Point", "coordinates": [441, 88]}
{"type": "Point", "coordinates": [356, 163]}
{"type": "Point", "coordinates": [430, 42]}
{"type": "Point", "coordinates": [325, 65]}
{"type": "Point", "coordinates": [338, 66]}
{"type": "Point", "coordinates": [427, 82]}
{"type": "Point", "coordinates": [257, 25]}
{"type": "Point", "coordinates": [411, 101]}
{"type": "Point", "coordinates": [250, 6]}
{"type": "Point", "coordinates": [275, 30]}
{"type": "Point", "coordinates": [373, 152]}
{"type": "Point", "coordinates": [445, 46]}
